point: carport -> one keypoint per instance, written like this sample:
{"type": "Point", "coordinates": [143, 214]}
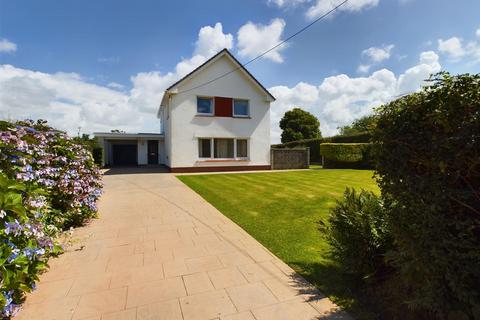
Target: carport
{"type": "Point", "coordinates": [131, 149]}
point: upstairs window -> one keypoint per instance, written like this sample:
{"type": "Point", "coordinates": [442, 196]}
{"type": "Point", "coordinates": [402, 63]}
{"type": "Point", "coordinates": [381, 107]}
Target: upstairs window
{"type": "Point", "coordinates": [205, 106]}
{"type": "Point", "coordinates": [240, 108]}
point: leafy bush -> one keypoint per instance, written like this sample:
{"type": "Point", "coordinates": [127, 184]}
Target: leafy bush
{"type": "Point", "coordinates": [358, 233]}
{"type": "Point", "coordinates": [27, 240]}
{"type": "Point", "coordinates": [346, 155]}
{"type": "Point", "coordinates": [48, 183]}
{"type": "Point", "coordinates": [429, 172]}
{"type": "Point", "coordinates": [91, 144]}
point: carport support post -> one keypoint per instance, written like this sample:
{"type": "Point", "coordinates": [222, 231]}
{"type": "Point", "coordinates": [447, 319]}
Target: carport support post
{"type": "Point", "coordinates": [101, 142]}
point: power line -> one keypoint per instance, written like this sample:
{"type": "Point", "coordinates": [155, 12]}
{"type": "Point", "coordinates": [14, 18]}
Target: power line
{"type": "Point", "coordinates": [269, 50]}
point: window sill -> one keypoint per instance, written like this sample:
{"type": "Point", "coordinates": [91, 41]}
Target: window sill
{"type": "Point", "coordinates": [223, 160]}
{"type": "Point", "coordinates": [214, 116]}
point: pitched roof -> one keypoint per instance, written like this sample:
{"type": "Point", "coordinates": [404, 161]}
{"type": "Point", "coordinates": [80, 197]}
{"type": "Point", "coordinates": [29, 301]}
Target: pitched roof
{"type": "Point", "coordinates": [239, 67]}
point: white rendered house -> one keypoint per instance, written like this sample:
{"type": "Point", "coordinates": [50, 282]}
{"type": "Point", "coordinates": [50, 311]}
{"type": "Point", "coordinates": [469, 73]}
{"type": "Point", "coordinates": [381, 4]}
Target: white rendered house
{"type": "Point", "coordinates": [216, 118]}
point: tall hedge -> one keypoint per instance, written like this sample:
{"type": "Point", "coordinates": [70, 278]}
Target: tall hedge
{"type": "Point", "coordinates": [314, 144]}
{"type": "Point", "coordinates": [429, 172]}
{"type": "Point", "coordinates": [347, 155]}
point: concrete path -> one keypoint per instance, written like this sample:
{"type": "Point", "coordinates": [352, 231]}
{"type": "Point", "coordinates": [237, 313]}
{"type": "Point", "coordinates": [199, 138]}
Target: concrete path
{"type": "Point", "coordinates": [159, 251]}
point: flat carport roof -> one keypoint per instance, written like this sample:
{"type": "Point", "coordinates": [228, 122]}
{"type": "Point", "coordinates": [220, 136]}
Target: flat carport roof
{"type": "Point", "coordinates": [123, 135]}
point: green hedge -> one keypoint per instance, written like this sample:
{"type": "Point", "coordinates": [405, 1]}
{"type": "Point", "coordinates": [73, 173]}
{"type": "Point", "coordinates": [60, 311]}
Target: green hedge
{"type": "Point", "coordinates": [347, 155]}
{"type": "Point", "coordinates": [314, 144]}
{"type": "Point", "coordinates": [429, 172]}
{"type": "Point", "coordinates": [354, 138]}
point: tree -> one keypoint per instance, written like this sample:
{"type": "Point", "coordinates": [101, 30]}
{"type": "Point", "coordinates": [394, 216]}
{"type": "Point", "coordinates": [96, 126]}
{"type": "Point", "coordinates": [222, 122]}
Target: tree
{"type": "Point", "coordinates": [298, 124]}
{"type": "Point", "coordinates": [360, 125]}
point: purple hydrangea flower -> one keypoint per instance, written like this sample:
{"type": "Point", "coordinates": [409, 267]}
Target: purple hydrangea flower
{"type": "Point", "coordinates": [13, 227]}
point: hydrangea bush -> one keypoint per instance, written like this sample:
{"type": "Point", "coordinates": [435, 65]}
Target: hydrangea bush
{"type": "Point", "coordinates": [48, 183]}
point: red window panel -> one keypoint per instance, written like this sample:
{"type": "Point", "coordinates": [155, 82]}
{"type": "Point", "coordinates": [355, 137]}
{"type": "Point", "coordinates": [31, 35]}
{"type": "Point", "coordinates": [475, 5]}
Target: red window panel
{"type": "Point", "coordinates": [223, 107]}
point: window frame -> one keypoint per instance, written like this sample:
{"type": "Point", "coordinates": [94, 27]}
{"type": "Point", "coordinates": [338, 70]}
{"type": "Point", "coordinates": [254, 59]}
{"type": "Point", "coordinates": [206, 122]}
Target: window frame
{"type": "Point", "coordinates": [212, 99]}
{"type": "Point", "coordinates": [236, 149]}
{"type": "Point", "coordinates": [212, 149]}
{"type": "Point", "coordinates": [234, 115]}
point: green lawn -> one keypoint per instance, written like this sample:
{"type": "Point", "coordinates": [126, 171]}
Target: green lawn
{"type": "Point", "coordinates": [281, 210]}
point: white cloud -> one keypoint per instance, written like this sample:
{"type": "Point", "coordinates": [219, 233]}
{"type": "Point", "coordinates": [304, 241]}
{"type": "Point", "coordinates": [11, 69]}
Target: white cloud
{"type": "Point", "coordinates": [109, 60]}
{"type": "Point", "coordinates": [340, 99]}
{"type": "Point", "coordinates": [453, 47]}
{"type": "Point", "coordinates": [478, 32]}
{"type": "Point", "coordinates": [254, 39]}
{"type": "Point", "coordinates": [69, 101]}
{"type": "Point", "coordinates": [66, 100]}
{"type": "Point", "coordinates": [378, 54]}
{"type": "Point", "coordinates": [375, 55]}
{"type": "Point", "coordinates": [286, 3]}
{"type": "Point", "coordinates": [115, 85]}
{"type": "Point", "coordinates": [7, 46]}
{"type": "Point", "coordinates": [415, 77]}
{"type": "Point", "coordinates": [363, 68]}
{"type": "Point", "coordinates": [456, 49]}
{"type": "Point", "coordinates": [212, 40]}
{"type": "Point", "coordinates": [321, 7]}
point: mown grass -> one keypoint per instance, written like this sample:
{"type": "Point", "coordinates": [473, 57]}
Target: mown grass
{"type": "Point", "coordinates": [282, 210]}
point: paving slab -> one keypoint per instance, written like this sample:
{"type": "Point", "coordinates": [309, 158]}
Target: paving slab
{"type": "Point", "coordinates": [160, 251]}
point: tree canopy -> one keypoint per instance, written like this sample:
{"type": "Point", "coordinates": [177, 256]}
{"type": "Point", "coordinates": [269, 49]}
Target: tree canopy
{"type": "Point", "coordinates": [360, 125]}
{"type": "Point", "coordinates": [298, 124]}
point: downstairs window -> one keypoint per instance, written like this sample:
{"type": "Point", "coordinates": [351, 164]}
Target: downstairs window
{"type": "Point", "coordinates": [222, 148]}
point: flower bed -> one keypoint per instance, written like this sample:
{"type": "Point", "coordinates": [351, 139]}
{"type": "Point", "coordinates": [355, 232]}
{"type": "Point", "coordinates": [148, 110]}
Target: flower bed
{"type": "Point", "coordinates": [48, 183]}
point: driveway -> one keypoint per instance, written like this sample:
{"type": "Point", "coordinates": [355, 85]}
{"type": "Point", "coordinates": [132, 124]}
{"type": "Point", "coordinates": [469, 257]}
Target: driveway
{"type": "Point", "coordinates": [159, 251]}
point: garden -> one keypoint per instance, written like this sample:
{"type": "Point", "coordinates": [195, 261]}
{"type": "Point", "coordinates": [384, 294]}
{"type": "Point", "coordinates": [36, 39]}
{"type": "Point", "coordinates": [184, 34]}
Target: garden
{"type": "Point", "coordinates": [49, 183]}
{"type": "Point", "coordinates": [399, 242]}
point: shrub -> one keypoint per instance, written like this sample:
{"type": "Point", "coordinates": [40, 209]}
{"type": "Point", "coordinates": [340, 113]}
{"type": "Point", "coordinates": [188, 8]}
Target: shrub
{"type": "Point", "coordinates": [91, 144]}
{"type": "Point", "coordinates": [27, 241]}
{"type": "Point", "coordinates": [48, 182]}
{"type": "Point", "coordinates": [358, 233]}
{"type": "Point", "coordinates": [429, 173]}
{"type": "Point", "coordinates": [37, 154]}
{"type": "Point", "coordinates": [346, 155]}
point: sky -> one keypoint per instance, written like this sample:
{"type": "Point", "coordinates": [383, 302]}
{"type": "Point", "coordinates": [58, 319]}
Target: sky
{"type": "Point", "coordinates": [88, 66]}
